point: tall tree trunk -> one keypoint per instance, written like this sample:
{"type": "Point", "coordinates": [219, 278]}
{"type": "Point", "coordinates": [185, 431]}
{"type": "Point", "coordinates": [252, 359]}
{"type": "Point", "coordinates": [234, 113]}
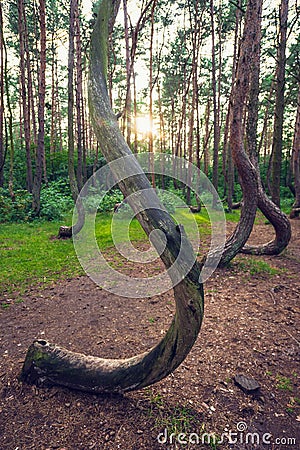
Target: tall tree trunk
{"type": "Point", "coordinates": [216, 112]}
{"type": "Point", "coordinates": [79, 93]}
{"type": "Point", "coordinates": [296, 162]}
{"type": "Point", "coordinates": [71, 137]}
{"type": "Point", "coordinates": [40, 154]}
{"type": "Point", "coordinates": [151, 88]}
{"type": "Point", "coordinates": [206, 137]}
{"type": "Point", "coordinates": [127, 110]}
{"type": "Point", "coordinates": [53, 125]}
{"type": "Point", "coordinates": [87, 373]}
{"type": "Point", "coordinates": [30, 70]}
{"type": "Point", "coordinates": [194, 24]}
{"type": "Point", "coordinates": [246, 170]}
{"type": "Point", "coordinates": [24, 96]}
{"type": "Point", "coordinates": [279, 105]}
{"type": "Point", "coordinates": [64, 231]}
{"type": "Point", "coordinates": [264, 133]}
{"type": "Point", "coordinates": [2, 82]}
{"type": "Point", "coordinates": [135, 145]}
{"type": "Point", "coordinates": [6, 84]}
{"type": "Point", "coordinates": [276, 217]}
{"type": "Point", "coordinates": [228, 166]}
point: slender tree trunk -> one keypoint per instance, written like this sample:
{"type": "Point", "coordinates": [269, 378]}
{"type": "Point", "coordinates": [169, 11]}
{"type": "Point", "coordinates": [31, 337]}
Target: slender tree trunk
{"type": "Point", "coordinates": [206, 137]}
{"type": "Point", "coordinates": [9, 108]}
{"type": "Point", "coordinates": [195, 52]}
{"type": "Point", "coordinates": [2, 81]}
{"type": "Point", "coordinates": [64, 231]}
{"type": "Point", "coordinates": [151, 87]}
{"type": "Point", "coordinates": [84, 140]}
{"type": "Point", "coordinates": [87, 373]}
{"type": "Point", "coordinates": [53, 99]}
{"type": "Point", "coordinates": [127, 111]}
{"type": "Point", "coordinates": [25, 111]}
{"type": "Point", "coordinates": [71, 137]}
{"type": "Point", "coordinates": [264, 133]}
{"type": "Point", "coordinates": [216, 112]}
{"type": "Point", "coordinates": [40, 154]}
{"type": "Point", "coordinates": [29, 70]}
{"type": "Point", "coordinates": [279, 105]}
{"type": "Point", "coordinates": [296, 162]}
{"type": "Point", "coordinates": [135, 145]}
{"type": "Point", "coordinates": [78, 89]}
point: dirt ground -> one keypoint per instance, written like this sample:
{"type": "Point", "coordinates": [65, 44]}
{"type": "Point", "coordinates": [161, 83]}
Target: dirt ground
{"type": "Point", "coordinates": [251, 327]}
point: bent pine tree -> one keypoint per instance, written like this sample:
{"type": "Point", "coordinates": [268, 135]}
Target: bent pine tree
{"type": "Point", "coordinates": [47, 362]}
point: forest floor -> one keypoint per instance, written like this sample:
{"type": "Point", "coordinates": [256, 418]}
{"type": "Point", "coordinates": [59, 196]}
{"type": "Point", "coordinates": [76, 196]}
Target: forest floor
{"type": "Point", "coordinates": [251, 327]}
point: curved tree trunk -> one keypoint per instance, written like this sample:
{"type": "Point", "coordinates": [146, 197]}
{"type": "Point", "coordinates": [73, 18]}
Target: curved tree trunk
{"type": "Point", "coordinates": [47, 362]}
{"type": "Point", "coordinates": [246, 170]}
{"type": "Point", "coordinates": [280, 223]}
{"type": "Point", "coordinates": [273, 213]}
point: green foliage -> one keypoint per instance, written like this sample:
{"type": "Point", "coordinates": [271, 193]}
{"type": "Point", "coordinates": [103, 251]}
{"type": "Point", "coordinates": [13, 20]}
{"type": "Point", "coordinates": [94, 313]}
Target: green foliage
{"type": "Point", "coordinates": [108, 202]}
{"type": "Point", "coordinates": [95, 201]}
{"type": "Point", "coordinates": [15, 209]}
{"type": "Point", "coordinates": [56, 200]}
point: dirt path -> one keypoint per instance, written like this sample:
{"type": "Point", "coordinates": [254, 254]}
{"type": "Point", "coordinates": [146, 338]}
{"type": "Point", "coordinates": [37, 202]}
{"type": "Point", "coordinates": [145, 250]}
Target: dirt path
{"type": "Point", "coordinates": [251, 326]}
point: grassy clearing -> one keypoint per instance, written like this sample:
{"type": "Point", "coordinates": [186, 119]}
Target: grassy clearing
{"type": "Point", "coordinates": [30, 254]}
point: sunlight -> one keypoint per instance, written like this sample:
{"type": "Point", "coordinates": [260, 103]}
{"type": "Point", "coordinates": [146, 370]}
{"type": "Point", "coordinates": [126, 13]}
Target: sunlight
{"type": "Point", "coordinates": [143, 126]}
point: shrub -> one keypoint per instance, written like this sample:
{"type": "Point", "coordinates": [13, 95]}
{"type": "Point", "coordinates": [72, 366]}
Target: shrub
{"type": "Point", "coordinates": [56, 200]}
{"type": "Point", "coordinates": [16, 209]}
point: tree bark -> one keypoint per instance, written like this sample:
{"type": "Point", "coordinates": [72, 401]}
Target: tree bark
{"type": "Point", "coordinates": [216, 111]}
{"type": "Point", "coordinates": [246, 170]}
{"type": "Point", "coordinates": [276, 217]}
{"type": "Point", "coordinates": [79, 94]}
{"type": "Point", "coordinates": [151, 87]}
{"type": "Point", "coordinates": [48, 362]}
{"type": "Point", "coordinates": [3, 145]}
{"type": "Point", "coordinates": [228, 166]}
{"type": "Point", "coordinates": [295, 212]}
{"type": "Point", "coordinates": [194, 24]}
{"type": "Point", "coordinates": [279, 105]}
{"type": "Point", "coordinates": [10, 140]}
{"type": "Point", "coordinates": [24, 95]}
{"type": "Point", "coordinates": [40, 154]}
{"type": "Point", "coordinates": [65, 231]}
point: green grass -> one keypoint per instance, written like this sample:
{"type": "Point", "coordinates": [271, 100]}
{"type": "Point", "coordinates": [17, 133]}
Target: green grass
{"type": "Point", "coordinates": [284, 383]}
{"type": "Point", "coordinates": [176, 420]}
{"type": "Point", "coordinates": [254, 266]}
{"type": "Point", "coordinates": [29, 254]}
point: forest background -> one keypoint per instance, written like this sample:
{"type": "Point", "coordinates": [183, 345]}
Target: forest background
{"type": "Point", "coordinates": [172, 67]}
